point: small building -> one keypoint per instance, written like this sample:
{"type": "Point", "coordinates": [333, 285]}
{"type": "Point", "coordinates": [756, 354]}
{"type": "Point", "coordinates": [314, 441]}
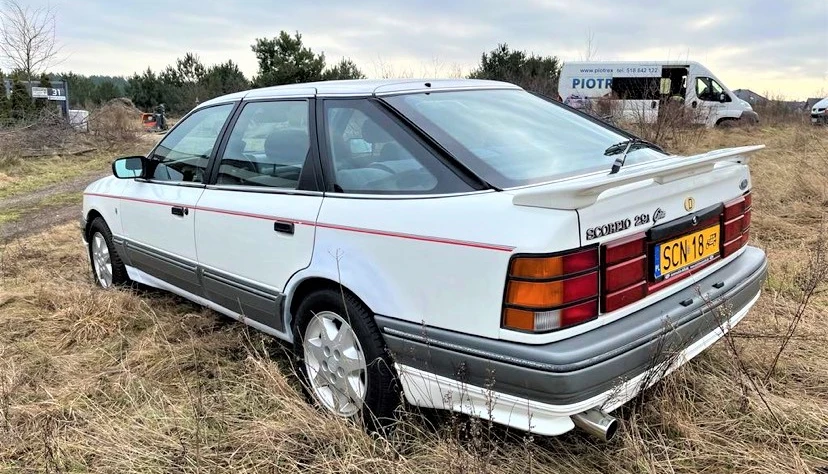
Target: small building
{"type": "Point", "coordinates": [750, 97]}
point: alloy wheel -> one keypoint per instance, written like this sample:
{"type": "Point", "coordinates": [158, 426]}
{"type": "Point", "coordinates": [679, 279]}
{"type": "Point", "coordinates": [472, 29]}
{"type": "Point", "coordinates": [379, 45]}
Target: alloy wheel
{"type": "Point", "coordinates": [335, 364]}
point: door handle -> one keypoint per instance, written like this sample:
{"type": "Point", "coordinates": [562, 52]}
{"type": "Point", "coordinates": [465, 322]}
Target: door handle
{"type": "Point", "coordinates": [179, 211]}
{"type": "Point", "coordinates": [283, 227]}
{"type": "Point", "coordinates": [694, 103]}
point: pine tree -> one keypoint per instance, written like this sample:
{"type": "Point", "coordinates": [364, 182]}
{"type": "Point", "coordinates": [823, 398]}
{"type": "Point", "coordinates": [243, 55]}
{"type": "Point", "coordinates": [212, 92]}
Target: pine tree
{"type": "Point", "coordinates": [5, 106]}
{"type": "Point", "coordinates": [21, 103]}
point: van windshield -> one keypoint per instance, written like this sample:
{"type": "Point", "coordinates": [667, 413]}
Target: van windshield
{"type": "Point", "coordinates": [512, 138]}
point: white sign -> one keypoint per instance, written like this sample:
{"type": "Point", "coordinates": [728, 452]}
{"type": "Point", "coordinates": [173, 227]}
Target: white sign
{"type": "Point", "coordinates": [56, 94]}
{"type": "Point", "coordinates": [40, 92]}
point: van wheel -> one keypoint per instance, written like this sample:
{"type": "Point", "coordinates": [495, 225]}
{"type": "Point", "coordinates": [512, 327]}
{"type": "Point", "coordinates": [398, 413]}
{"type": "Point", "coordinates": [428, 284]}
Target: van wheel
{"type": "Point", "coordinates": [344, 362]}
{"type": "Point", "coordinates": [726, 123]}
{"type": "Point", "coordinates": [107, 267]}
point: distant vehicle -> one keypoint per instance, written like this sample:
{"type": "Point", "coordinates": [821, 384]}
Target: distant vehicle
{"type": "Point", "coordinates": [155, 121]}
{"type": "Point", "coordinates": [642, 90]}
{"type": "Point", "coordinates": [464, 244]}
{"type": "Point", "coordinates": [819, 112]}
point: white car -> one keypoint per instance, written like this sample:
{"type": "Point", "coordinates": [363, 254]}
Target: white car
{"type": "Point", "coordinates": [819, 112]}
{"type": "Point", "coordinates": [466, 244]}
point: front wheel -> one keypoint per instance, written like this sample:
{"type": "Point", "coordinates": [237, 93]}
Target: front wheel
{"type": "Point", "coordinates": [344, 360]}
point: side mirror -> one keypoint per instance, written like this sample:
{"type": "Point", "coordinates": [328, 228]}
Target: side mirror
{"type": "Point", "coordinates": [128, 167]}
{"type": "Point", "coordinates": [722, 97]}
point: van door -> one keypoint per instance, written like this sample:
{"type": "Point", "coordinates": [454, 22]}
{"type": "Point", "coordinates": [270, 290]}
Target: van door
{"type": "Point", "coordinates": [709, 100]}
{"type": "Point", "coordinates": [673, 94]}
{"type": "Point", "coordinates": [255, 223]}
{"type": "Point", "coordinates": [638, 98]}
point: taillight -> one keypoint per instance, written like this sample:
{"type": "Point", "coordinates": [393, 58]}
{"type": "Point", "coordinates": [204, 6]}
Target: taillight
{"type": "Point", "coordinates": [624, 272]}
{"type": "Point", "coordinates": [736, 224]}
{"type": "Point", "coordinates": [545, 293]}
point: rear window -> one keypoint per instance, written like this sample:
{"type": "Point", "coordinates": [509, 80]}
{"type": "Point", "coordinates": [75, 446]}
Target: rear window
{"type": "Point", "coordinates": [512, 138]}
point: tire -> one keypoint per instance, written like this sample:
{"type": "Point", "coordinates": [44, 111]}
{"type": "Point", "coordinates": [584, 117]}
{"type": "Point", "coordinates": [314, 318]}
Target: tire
{"type": "Point", "coordinates": [381, 390]}
{"type": "Point", "coordinates": [728, 123]}
{"type": "Point", "coordinates": [117, 274]}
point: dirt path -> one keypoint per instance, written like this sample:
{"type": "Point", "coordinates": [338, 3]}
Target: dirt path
{"type": "Point", "coordinates": [33, 212]}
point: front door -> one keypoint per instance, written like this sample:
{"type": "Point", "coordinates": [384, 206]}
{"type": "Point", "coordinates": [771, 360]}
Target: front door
{"type": "Point", "coordinates": [158, 212]}
{"type": "Point", "coordinates": [255, 224]}
{"type": "Point", "coordinates": [709, 100]}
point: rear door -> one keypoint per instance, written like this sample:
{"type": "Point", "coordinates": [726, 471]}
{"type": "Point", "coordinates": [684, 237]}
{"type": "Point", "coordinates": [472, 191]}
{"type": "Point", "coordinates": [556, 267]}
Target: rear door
{"type": "Point", "coordinates": [255, 223]}
{"type": "Point", "coordinates": [158, 212]}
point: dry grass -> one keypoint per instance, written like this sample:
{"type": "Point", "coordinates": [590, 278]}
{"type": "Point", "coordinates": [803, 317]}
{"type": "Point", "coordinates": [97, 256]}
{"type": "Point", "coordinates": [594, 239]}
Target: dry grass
{"type": "Point", "coordinates": [127, 381]}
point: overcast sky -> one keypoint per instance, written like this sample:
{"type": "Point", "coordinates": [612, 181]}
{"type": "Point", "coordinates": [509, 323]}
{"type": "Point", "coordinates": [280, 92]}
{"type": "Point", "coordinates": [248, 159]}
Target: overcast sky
{"type": "Point", "coordinates": [774, 46]}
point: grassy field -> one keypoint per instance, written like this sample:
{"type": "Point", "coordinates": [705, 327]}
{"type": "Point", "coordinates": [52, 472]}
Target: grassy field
{"type": "Point", "coordinates": [131, 381]}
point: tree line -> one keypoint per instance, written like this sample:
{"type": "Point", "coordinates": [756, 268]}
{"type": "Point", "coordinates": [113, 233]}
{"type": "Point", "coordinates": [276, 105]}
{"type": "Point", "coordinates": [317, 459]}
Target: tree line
{"type": "Point", "coordinates": [283, 59]}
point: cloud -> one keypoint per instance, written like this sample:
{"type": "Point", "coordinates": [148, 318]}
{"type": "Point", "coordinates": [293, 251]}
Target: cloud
{"type": "Point", "coordinates": [757, 44]}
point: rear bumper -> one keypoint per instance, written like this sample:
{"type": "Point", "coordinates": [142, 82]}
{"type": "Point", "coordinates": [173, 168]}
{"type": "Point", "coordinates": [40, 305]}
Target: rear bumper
{"type": "Point", "coordinates": [584, 371]}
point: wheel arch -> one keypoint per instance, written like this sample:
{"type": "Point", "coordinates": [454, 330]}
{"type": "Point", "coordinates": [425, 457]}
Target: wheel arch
{"type": "Point", "coordinates": [90, 217]}
{"type": "Point", "coordinates": [305, 286]}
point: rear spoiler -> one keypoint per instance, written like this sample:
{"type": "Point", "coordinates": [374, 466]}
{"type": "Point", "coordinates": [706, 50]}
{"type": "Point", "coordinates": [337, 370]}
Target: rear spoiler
{"type": "Point", "coordinates": [583, 191]}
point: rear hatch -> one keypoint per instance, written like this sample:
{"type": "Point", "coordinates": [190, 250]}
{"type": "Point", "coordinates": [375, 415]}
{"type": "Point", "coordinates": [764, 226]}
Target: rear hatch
{"type": "Point", "coordinates": [655, 223]}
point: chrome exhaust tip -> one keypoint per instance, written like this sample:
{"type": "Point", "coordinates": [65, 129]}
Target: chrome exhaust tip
{"type": "Point", "coordinates": [596, 423]}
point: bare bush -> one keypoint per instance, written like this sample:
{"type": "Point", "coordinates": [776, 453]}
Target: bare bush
{"type": "Point", "coordinates": [777, 111]}
{"type": "Point", "coordinates": [117, 120]}
{"type": "Point", "coordinates": [42, 131]}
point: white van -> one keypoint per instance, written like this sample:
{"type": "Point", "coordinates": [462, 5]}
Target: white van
{"type": "Point", "coordinates": [643, 90]}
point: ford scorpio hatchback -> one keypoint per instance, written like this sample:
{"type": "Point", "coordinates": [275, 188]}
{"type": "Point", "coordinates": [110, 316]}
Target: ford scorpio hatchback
{"type": "Point", "coordinates": [463, 244]}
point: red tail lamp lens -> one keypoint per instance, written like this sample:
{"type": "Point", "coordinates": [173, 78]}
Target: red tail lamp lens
{"type": "Point", "coordinates": [545, 293]}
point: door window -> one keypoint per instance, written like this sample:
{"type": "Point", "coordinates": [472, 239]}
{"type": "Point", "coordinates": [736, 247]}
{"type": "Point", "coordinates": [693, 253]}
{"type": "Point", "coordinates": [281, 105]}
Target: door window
{"type": "Point", "coordinates": [268, 145]}
{"type": "Point", "coordinates": [636, 88]}
{"type": "Point", "coordinates": [708, 89]}
{"type": "Point", "coordinates": [184, 153]}
{"type": "Point", "coordinates": [371, 153]}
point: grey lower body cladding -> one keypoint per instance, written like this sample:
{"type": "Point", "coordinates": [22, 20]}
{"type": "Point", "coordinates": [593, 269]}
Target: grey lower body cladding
{"type": "Point", "coordinates": [580, 367]}
{"type": "Point", "coordinates": [252, 301]}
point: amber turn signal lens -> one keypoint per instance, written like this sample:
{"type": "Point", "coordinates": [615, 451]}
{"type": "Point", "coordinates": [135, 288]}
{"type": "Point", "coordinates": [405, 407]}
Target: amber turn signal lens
{"type": "Point", "coordinates": [547, 267]}
{"type": "Point", "coordinates": [519, 319]}
{"type": "Point", "coordinates": [535, 295]}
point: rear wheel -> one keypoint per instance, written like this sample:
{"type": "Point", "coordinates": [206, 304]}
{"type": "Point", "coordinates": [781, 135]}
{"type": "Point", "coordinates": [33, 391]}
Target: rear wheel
{"type": "Point", "coordinates": [107, 267]}
{"type": "Point", "coordinates": [344, 360]}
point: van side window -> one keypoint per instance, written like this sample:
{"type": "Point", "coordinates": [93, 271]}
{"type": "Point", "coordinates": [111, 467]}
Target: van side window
{"type": "Point", "coordinates": [268, 145]}
{"type": "Point", "coordinates": [183, 154]}
{"type": "Point", "coordinates": [708, 89]}
{"type": "Point", "coordinates": [636, 88]}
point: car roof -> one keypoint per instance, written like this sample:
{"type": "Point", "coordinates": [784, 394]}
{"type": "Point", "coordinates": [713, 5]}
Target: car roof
{"type": "Point", "coordinates": [359, 88]}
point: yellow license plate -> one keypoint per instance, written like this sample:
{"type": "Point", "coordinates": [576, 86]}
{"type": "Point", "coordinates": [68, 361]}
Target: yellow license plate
{"type": "Point", "coordinates": [685, 252]}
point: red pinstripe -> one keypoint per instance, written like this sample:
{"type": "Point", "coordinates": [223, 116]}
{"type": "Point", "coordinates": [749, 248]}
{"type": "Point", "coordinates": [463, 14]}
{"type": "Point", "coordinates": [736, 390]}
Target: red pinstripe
{"type": "Point", "coordinates": [422, 238]}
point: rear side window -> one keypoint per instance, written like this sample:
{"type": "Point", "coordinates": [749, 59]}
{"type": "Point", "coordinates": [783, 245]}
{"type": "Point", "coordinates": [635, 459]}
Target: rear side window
{"type": "Point", "coordinates": [268, 145]}
{"type": "Point", "coordinates": [371, 153]}
{"type": "Point", "coordinates": [183, 154]}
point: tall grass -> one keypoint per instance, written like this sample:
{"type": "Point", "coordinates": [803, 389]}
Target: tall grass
{"type": "Point", "coordinates": [135, 381]}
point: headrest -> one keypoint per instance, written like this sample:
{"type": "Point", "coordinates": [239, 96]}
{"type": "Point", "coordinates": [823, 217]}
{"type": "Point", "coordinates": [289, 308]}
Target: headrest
{"type": "Point", "coordinates": [372, 133]}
